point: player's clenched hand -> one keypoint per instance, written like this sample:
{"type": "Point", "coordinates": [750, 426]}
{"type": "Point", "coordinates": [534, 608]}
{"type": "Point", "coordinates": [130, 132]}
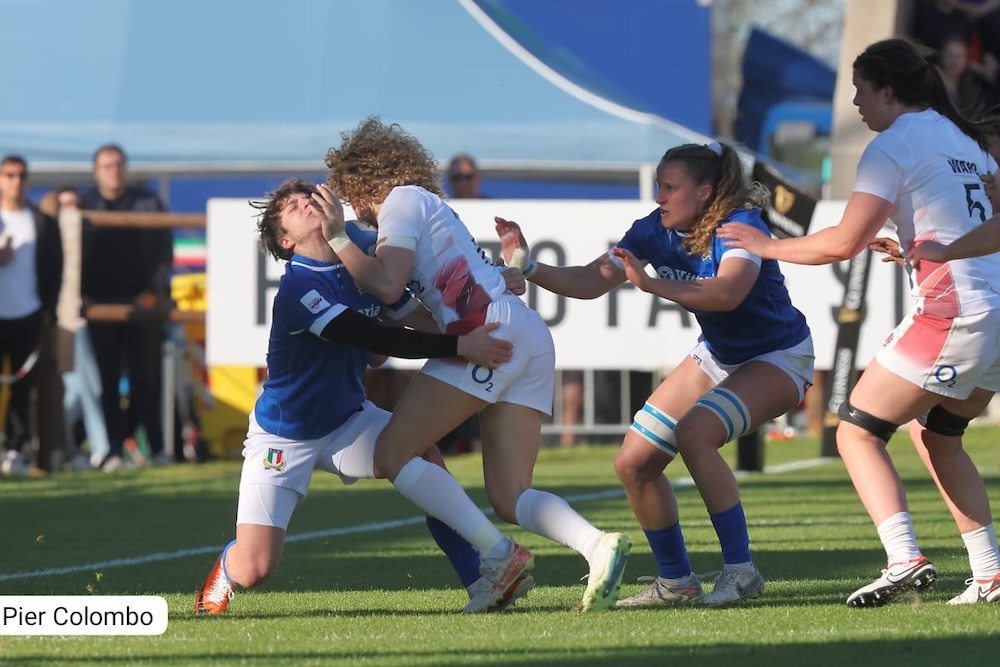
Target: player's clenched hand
{"type": "Point", "coordinates": [332, 211]}
{"type": "Point", "coordinates": [479, 347]}
{"type": "Point", "coordinates": [890, 247]}
{"type": "Point", "coordinates": [512, 243]}
{"type": "Point", "coordinates": [748, 237]}
{"type": "Point", "coordinates": [634, 269]}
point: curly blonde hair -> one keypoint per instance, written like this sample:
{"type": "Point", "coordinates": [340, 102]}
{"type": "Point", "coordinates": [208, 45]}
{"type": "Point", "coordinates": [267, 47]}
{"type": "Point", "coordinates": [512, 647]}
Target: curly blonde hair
{"type": "Point", "coordinates": [375, 158]}
{"type": "Point", "coordinates": [731, 189]}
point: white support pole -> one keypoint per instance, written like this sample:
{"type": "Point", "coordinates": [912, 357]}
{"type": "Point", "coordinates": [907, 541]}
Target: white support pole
{"type": "Point", "coordinates": [169, 391]}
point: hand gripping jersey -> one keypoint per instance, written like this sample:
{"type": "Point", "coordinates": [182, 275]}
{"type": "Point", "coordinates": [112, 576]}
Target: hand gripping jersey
{"type": "Point", "coordinates": [764, 322]}
{"type": "Point", "coordinates": [452, 276]}
{"type": "Point", "coordinates": [930, 171]}
{"type": "Point", "coordinates": [314, 385]}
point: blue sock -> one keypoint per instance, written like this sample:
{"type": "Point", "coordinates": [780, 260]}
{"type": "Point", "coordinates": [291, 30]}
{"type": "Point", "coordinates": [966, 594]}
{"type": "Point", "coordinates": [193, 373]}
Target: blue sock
{"type": "Point", "coordinates": [669, 551]}
{"type": "Point", "coordinates": [463, 556]}
{"type": "Point", "coordinates": [731, 527]}
{"type": "Point", "coordinates": [222, 561]}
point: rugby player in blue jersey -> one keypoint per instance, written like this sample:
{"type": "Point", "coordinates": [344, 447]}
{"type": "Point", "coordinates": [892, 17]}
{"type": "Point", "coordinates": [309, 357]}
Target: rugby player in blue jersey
{"type": "Point", "coordinates": [752, 363]}
{"type": "Point", "coordinates": [313, 413]}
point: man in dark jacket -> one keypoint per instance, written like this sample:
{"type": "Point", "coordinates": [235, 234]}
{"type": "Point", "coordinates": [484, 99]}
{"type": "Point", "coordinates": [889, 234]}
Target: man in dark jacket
{"type": "Point", "coordinates": [31, 264]}
{"type": "Point", "coordinates": [126, 265]}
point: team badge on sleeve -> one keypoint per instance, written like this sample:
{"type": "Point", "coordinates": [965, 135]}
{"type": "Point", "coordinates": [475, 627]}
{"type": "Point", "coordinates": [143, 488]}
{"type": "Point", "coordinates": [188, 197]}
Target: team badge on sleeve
{"type": "Point", "coordinates": [275, 460]}
{"type": "Point", "coordinates": [314, 302]}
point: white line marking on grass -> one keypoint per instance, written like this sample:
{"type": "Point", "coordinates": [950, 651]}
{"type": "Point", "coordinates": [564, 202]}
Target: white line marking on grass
{"type": "Point", "coordinates": [684, 483]}
{"type": "Point", "coordinates": [797, 465]}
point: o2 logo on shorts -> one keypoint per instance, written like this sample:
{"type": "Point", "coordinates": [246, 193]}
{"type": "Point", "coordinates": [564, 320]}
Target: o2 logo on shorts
{"type": "Point", "coordinates": [483, 375]}
{"type": "Point", "coordinates": [946, 375]}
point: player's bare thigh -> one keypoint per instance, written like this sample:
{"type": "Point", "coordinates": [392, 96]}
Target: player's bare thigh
{"type": "Point", "coordinates": [885, 395]}
{"type": "Point", "coordinates": [427, 411]}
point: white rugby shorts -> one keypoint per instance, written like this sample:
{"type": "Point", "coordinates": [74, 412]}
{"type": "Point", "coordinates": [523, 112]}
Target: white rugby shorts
{"type": "Point", "coordinates": [797, 362]}
{"type": "Point", "coordinates": [347, 451]}
{"type": "Point", "coordinates": [946, 356]}
{"type": "Point", "coordinates": [527, 379]}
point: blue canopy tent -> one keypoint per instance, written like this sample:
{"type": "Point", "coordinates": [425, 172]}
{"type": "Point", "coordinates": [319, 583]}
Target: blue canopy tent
{"type": "Point", "coordinates": [190, 85]}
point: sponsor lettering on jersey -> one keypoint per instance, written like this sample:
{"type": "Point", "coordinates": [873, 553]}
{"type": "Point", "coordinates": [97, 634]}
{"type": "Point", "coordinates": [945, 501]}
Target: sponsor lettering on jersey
{"type": "Point", "coordinates": [670, 273]}
{"type": "Point", "coordinates": [314, 302]}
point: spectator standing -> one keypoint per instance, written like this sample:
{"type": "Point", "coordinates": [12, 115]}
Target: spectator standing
{"type": "Point", "coordinates": [126, 265]}
{"type": "Point", "coordinates": [31, 264]}
{"type": "Point", "coordinates": [464, 178]}
{"type": "Point", "coordinates": [572, 405]}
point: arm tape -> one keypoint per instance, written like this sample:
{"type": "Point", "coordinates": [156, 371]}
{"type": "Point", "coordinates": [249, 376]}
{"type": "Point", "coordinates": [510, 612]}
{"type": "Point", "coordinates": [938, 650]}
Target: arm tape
{"type": "Point", "coordinates": [353, 328]}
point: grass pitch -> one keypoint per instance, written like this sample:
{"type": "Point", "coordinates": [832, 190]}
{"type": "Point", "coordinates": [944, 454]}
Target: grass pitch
{"type": "Point", "coordinates": [363, 584]}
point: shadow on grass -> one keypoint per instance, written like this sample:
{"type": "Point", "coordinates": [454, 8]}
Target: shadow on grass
{"type": "Point", "coordinates": [884, 652]}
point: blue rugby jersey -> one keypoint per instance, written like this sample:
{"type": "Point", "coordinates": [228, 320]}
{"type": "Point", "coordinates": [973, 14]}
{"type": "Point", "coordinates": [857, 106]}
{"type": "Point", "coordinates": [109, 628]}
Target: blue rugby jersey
{"type": "Point", "coordinates": [314, 385]}
{"type": "Point", "coordinates": [765, 321]}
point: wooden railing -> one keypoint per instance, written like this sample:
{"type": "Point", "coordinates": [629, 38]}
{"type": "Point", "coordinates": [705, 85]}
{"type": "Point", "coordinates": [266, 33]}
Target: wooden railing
{"type": "Point", "coordinates": [143, 220]}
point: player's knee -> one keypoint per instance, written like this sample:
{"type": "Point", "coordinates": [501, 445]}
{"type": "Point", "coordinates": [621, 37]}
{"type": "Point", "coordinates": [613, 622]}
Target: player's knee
{"type": "Point", "coordinates": [385, 464]}
{"type": "Point", "coordinates": [730, 410]}
{"type": "Point", "coordinates": [503, 492]}
{"type": "Point", "coordinates": [941, 421]}
{"type": "Point", "coordinates": [504, 506]}
{"type": "Point", "coordinates": [633, 469]}
{"type": "Point", "coordinates": [655, 427]}
{"type": "Point", "coordinates": [880, 428]}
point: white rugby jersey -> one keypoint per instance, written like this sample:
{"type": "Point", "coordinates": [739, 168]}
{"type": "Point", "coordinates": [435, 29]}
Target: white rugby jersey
{"type": "Point", "coordinates": [929, 170]}
{"type": "Point", "coordinates": [452, 276]}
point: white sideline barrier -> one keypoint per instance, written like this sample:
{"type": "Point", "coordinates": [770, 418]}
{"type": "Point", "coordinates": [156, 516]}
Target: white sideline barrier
{"type": "Point", "coordinates": [625, 329]}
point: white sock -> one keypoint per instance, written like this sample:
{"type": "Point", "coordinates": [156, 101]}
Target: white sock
{"type": "Point", "coordinates": [436, 492]}
{"type": "Point", "coordinates": [550, 516]}
{"type": "Point", "coordinates": [899, 538]}
{"type": "Point", "coordinates": [984, 556]}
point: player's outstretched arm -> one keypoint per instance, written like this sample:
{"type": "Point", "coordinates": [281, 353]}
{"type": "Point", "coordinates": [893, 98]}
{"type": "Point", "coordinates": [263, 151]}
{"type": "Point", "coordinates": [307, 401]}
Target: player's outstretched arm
{"type": "Point", "coordinates": [578, 282]}
{"type": "Point", "coordinates": [352, 328]}
{"type": "Point", "coordinates": [864, 215]}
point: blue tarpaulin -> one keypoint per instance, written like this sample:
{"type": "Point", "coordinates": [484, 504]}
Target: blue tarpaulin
{"type": "Point", "coordinates": [268, 83]}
